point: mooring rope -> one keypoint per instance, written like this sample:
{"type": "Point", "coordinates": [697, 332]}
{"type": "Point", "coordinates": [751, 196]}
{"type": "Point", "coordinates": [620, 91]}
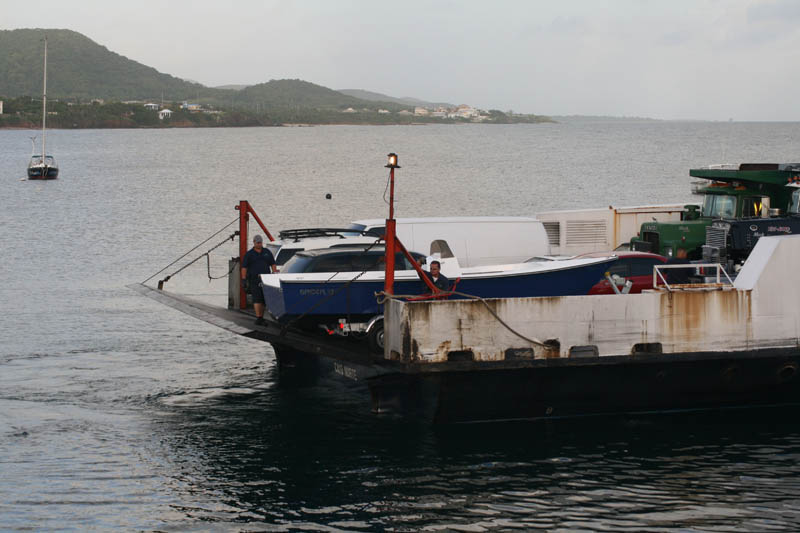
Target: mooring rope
{"type": "Point", "coordinates": [193, 249]}
{"type": "Point", "coordinates": [193, 261]}
{"type": "Point", "coordinates": [382, 297]}
{"type": "Point", "coordinates": [208, 264]}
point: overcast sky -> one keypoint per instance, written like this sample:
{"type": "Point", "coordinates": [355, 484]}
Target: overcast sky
{"type": "Point", "coordinates": [670, 59]}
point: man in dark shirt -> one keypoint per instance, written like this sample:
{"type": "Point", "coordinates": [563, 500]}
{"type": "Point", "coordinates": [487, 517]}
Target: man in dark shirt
{"type": "Point", "coordinates": [439, 280]}
{"type": "Point", "coordinates": [258, 260]}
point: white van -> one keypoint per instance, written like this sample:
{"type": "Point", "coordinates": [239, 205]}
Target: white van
{"type": "Point", "coordinates": [475, 241]}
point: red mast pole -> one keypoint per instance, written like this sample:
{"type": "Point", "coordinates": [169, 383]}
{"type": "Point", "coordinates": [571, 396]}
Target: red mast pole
{"type": "Point", "coordinates": [255, 216]}
{"type": "Point", "coordinates": [389, 238]}
{"type": "Point", "coordinates": [244, 209]}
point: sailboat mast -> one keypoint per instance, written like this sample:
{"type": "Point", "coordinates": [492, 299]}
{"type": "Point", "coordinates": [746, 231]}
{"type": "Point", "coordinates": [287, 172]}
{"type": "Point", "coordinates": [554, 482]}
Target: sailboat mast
{"type": "Point", "coordinates": [44, 100]}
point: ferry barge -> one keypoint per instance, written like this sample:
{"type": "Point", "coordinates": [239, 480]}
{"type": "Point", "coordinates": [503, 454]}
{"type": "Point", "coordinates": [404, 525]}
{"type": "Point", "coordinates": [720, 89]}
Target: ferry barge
{"type": "Point", "coordinates": [709, 345]}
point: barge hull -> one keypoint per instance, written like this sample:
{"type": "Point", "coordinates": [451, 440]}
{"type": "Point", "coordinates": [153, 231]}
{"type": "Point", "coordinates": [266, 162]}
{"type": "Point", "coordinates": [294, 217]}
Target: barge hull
{"type": "Point", "coordinates": [615, 385]}
{"type": "Point", "coordinates": [449, 361]}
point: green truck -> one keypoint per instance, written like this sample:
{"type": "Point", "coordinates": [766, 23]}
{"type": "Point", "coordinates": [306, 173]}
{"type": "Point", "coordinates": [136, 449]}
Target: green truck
{"type": "Point", "coordinates": [745, 191]}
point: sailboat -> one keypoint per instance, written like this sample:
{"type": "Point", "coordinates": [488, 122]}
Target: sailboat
{"type": "Point", "coordinates": [43, 166]}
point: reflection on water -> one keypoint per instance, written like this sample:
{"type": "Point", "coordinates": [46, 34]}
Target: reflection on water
{"type": "Point", "coordinates": [695, 470]}
{"type": "Point", "coordinates": [118, 413]}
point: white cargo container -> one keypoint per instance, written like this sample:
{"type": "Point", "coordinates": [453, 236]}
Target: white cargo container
{"type": "Point", "coordinates": [579, 231]}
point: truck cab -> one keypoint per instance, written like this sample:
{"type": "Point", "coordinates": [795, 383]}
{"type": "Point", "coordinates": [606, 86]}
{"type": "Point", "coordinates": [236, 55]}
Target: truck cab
{"type": "Point", "coordinates": [745, 191]}
{"type": "Point", "coordinates": [730, 241]}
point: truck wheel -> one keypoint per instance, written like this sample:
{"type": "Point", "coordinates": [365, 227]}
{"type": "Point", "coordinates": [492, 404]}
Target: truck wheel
{"type": "Point", "coordinates": [375, 337]}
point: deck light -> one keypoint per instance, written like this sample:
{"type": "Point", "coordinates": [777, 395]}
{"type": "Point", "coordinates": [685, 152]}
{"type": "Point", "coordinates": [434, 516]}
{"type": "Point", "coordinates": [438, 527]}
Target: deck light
{"type": "Point", "coordinates": [392, 161]}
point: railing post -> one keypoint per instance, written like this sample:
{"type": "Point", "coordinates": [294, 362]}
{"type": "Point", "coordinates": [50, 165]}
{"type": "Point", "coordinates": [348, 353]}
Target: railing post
{"type": "Point", "coordinates": [391, 235]}
{"type": "Point", "coordinates": [388, 284]}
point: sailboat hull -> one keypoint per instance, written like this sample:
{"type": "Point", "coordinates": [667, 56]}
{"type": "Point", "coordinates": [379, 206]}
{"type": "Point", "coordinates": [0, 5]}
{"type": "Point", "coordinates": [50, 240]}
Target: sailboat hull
{"type": "Point", "coordinates": [42, 173]}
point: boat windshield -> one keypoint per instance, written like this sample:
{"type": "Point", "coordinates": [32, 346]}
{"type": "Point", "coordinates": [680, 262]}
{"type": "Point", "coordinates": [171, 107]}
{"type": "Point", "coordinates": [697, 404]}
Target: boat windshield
{"type": "Point", "coordinates": [358, 230]}
{"type": "Point", "coordinates": [719, 206]}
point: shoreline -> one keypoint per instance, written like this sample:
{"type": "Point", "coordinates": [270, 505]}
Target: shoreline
{"type": "Point", "coordinates": [288, 125]}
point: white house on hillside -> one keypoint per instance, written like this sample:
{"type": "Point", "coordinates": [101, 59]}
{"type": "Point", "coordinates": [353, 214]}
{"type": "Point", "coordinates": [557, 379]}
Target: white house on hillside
{"type": "Point", "coordinates": [164, 113]}
{"type": "Point", "coordinates": [466, 111]}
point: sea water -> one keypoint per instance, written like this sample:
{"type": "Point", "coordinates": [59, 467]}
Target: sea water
{"type": "Point", "coordinates": [117, 412]}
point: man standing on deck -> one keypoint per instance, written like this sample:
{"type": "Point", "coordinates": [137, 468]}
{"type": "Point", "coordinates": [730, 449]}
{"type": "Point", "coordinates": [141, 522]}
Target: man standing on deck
{"type": "Point", "coordinates": [258, 260]}
{"type": "Point", "coordinates": [437, 278]}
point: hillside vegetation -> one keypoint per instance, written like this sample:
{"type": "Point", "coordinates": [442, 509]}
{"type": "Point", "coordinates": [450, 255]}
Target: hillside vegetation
{"type": "Point", "coordinates": [78, 68]}
{"type": "Point", "coordinates": [89, 86]}
{"type": "Point", "coordinates": [378, 97]}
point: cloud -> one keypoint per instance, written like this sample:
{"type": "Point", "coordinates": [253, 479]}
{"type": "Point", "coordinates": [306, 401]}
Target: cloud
{"type": "Point", "coordinates": [784, 12]}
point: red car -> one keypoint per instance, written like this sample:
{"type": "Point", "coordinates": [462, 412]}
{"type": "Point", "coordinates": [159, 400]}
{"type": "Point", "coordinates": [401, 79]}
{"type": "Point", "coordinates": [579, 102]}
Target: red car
{"type": "Point", "coordinates": [634, 266]}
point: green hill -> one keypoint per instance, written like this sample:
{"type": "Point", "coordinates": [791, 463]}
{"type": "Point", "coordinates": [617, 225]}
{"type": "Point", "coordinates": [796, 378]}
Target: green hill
{"type": "Point", "coordinates": [288, 94]}
{"type": "Point", "coordinates": [81, 71]}
{"type": "Point", "coordinates": [405, 101]}
{"type": "Point", "coordinates": [79, 68]}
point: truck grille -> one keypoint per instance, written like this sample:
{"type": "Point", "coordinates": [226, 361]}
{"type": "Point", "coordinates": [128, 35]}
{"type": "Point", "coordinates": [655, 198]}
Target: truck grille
{"type": "Point", "coordinates": [652, 238]}
{"type": "Point", "coordinates": [716, 237]}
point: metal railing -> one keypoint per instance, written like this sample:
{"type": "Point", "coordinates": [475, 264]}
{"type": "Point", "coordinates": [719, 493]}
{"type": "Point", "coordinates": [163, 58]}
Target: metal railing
{"type": "Point", "coordinates": [658, 274]}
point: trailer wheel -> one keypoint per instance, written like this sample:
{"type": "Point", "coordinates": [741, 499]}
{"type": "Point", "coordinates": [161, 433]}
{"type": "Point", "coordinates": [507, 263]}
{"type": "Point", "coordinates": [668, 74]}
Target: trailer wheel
{"type": "Point", "coordinates": [375, 337]}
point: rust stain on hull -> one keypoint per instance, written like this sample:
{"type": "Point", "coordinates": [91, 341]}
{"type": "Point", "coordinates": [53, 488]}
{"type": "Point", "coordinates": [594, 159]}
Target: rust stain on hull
{"type": "Point", "coordinates": [689, 316]}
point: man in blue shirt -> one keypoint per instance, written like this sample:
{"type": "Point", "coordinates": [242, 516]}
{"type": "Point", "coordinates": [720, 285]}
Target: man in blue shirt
{"type": "Point", "coordinates": [258, 260]}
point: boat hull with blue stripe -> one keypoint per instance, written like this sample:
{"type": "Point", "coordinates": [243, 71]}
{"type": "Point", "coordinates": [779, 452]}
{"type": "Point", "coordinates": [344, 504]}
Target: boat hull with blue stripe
{"type": "Point", "coordinates": [352, 295]}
